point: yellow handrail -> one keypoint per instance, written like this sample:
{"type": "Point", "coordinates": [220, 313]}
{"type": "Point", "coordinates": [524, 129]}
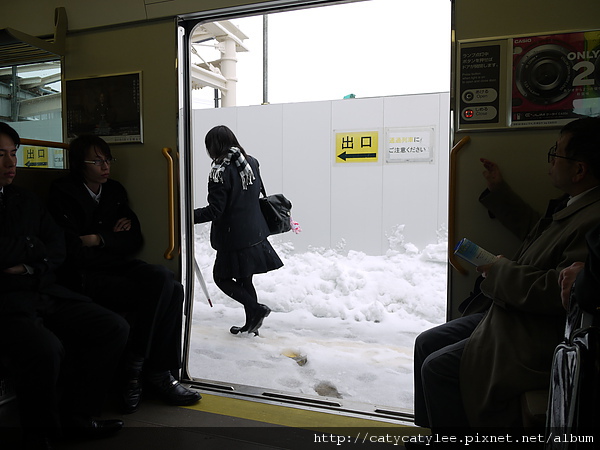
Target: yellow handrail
{"type": "Point", "coordinates": [452, 205]}
{"type": "Point", "coordinates": [38, 143]}
{"type": "Point", "coordinates": [166, 151]}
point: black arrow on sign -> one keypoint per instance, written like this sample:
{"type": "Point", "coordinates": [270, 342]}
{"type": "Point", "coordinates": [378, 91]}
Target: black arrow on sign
{"type": "Point", "coordinates": [345, 155]}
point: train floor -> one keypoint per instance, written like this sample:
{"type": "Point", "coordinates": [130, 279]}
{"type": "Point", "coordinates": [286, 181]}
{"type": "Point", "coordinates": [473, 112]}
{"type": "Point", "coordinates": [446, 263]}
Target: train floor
{"type": "Point", "coordinates": [218, 422]}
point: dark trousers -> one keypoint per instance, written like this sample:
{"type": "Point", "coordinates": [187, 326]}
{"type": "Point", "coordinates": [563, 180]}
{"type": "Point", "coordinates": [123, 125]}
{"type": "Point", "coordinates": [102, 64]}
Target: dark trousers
{"type": "Point", "coordinates": [153, 302]}
{"type": "Point", "coordinates": [62, 358]}
{"type": "Point", "coordinates": [438, 351]}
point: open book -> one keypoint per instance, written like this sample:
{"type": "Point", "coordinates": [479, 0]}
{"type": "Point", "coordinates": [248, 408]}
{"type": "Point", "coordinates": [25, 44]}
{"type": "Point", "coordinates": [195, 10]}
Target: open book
{"type": "Point", "coordinates": [473, 253]}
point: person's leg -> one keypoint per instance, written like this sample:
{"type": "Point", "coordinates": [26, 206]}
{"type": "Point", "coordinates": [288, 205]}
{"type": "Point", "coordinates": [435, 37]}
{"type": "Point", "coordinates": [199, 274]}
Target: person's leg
{"type": "Point", "coordinates": [242, 291]}
{"type": "Point", "coordinates": [33, 356]}
{"type": "Point", "coordinates": [165, 295]}
{"type": "Point", "coordinates": [255, 317]}
{"type": "Point", "coordinates": [431, 341]}
{"type": "Point", "coordinates": [94, 338]}
{"type": "Point", "coordinates": [154, 302]}
{"type": "Point", "coordinates": [158, 315]}
{"type": "Point", "coordinates": [125, 291]}
{"type": "Point", "coordinates": [441, 387]}
{"type": "Point", "coordinates": [248, 286]}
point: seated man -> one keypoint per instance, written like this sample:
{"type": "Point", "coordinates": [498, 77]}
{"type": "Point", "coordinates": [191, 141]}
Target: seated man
{"type": "Point", "coordinates": [103, 236]}
{"type": "Point", "coordinates": [49, 336]}
{"type": "Point", "coordinates": [471, 371]}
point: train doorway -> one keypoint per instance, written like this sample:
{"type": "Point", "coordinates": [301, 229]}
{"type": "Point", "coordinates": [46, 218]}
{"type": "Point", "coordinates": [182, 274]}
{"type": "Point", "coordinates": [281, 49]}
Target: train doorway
{"type": "Point", "coordinates": [362, 279]}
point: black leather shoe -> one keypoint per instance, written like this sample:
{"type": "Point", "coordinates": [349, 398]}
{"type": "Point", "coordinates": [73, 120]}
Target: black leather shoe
{"type": "Point", "coordinates": [257, 319]}
{"type": "Point", "coordinates": [92, 429]}
{"type": "Point", "coordinates": [171, 391]}
{"type": "Point", "coordinates": [33, 442]}
{"type": "Point", "coordinates": [131, 395]}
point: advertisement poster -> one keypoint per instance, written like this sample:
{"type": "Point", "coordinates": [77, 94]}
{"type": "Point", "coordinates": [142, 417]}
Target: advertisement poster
{"type": "Point", "coordinates": [556, 78]}
{"type": "Point", "coordinates": [108, 106]}
{"type": "Point", "coordinates": [479, 84]}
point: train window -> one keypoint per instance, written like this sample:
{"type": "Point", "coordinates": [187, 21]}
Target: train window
{"type": "Point", "coordinates": [368, 271]}
{"type": "Point", "coordinates": [30, 101]}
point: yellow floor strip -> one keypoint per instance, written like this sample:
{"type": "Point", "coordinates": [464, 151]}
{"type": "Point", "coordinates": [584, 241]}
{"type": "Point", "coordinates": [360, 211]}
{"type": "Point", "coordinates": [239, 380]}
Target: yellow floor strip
{"type": "Point", "coordinates": [280, 415]}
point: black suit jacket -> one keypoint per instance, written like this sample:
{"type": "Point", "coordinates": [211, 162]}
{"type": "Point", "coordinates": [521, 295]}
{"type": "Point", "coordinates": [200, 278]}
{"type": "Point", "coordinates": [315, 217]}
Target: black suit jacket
{"type": "Point", "coordinates": [78, 214]}
{"type": "Point", "coordinates": [28, 235]}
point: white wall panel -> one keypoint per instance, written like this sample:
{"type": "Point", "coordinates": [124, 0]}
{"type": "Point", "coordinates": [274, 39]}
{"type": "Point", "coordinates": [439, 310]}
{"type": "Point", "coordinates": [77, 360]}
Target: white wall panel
{"type": "Point", "coordinates": [358, 204]}
{"type": "Point", "coordinates": [356, 188]}
{"type": "Point", "coordinates": [307, 171]}
{"type": "Point", "coordinates": [412, 190]}
{"type": "Point", "coordinates": [260, 132]}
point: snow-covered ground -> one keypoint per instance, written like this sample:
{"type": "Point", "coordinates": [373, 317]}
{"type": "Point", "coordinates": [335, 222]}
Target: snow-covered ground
{"type": "Point", "coordinates": [342, 325]}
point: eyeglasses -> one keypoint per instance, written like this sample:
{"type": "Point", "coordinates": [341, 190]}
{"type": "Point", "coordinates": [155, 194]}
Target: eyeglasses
{"type": "Point", "coordinates": [99, 162]}
{"type": "Point", "coordinates": [552, 154]}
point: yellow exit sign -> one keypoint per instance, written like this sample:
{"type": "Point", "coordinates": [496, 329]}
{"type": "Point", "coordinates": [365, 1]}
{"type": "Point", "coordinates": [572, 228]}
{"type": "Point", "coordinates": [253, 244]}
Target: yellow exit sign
{"type": "Point", "coordinates": [356, 146]}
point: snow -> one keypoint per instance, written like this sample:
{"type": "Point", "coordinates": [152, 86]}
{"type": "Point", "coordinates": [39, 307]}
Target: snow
{"type": "Point", "coordinates": [342, 325]}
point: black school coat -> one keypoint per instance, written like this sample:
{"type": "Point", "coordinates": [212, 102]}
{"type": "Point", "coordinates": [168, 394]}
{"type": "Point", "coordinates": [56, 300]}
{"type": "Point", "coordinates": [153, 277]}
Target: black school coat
{"type": "Point", "coordinates": [237, 221]}
{"type": "Point", "coordinates": [78, 214]}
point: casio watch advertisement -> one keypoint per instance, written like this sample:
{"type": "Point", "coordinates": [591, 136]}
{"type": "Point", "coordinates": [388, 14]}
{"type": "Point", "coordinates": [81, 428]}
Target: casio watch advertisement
{"type": "Point", "coordinates": [529, 81]}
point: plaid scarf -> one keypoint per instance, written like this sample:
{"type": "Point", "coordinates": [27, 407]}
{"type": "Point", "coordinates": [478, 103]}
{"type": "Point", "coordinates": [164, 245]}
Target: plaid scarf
{"type": "Point", "coordinates": [244, 169]}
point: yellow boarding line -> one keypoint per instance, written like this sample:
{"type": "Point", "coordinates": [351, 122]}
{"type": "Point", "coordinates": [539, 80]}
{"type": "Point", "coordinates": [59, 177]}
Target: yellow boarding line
{"type": "Point", "coordinates": [283, 415]}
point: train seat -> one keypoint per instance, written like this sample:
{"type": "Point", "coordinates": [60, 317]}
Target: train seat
{"type": "Point", "coordinates": [38, 180]}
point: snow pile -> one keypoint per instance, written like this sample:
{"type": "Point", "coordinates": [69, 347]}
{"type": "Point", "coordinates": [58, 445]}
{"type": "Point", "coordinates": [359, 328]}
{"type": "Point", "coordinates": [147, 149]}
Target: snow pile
{"type": "Point", "coordinates": [343, 322]}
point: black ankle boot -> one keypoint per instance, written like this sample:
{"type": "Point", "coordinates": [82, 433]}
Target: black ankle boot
{"type": "Point", "coordinates": [131, 393]}
{"type": "Point", "coordinates": [257, 319]}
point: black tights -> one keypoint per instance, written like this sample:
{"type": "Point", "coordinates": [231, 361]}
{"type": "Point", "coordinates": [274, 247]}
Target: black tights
{"type": "Point", "coordinates": [241, 290]}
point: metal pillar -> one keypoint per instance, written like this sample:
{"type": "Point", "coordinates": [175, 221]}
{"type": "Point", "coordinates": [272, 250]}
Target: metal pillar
{"type": "Point", "coordinates": [229, 71]}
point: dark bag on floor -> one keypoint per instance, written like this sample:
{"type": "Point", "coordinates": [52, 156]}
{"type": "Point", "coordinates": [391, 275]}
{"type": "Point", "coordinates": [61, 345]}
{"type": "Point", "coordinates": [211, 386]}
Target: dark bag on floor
{"type": "Point", "coordinates": [277, 211]}
{"type": "Point", "coordinates": [574, 403]}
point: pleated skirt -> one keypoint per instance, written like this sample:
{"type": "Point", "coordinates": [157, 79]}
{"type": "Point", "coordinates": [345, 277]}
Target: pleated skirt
{"type": "Point", "coordinates": [260, 258]}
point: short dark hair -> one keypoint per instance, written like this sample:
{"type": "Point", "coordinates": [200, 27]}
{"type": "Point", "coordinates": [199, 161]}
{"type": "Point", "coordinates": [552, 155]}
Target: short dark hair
{"type": "Point", "coordinates": [11, 133]}
{"type": "Point", "coordinates": [79, 146]}
{"type": "Point", "coordinates": [584, 143]}
{"type": "Point", "coordinates": [219, 140]}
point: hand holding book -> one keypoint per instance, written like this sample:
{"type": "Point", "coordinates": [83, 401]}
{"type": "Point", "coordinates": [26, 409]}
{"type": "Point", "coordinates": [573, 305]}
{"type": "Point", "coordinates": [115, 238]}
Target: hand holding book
{"type": "Point", "coordinates": [473, 253]}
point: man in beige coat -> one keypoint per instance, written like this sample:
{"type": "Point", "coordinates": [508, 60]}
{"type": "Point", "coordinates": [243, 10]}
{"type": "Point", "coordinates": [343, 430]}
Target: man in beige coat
{"type": "Point", "coordinates": [471, 372]}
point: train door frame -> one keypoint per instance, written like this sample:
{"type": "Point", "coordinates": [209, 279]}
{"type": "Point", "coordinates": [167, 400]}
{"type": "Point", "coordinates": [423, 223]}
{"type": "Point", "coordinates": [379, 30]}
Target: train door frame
{"type": "Point", "coordinates": [185, 26]}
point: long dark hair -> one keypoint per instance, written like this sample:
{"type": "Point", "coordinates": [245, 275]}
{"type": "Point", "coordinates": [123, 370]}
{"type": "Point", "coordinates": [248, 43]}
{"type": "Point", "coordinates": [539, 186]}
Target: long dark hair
{"type": "Point", "coordinates": [79, 146]}
{"type": "Point", "coordinates": [219, 140]}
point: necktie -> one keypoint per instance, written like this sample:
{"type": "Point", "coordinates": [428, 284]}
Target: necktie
{"type": "Point", "coordinates": [2, 207]}
{"type": "Point", "coordinates": [556, 205]}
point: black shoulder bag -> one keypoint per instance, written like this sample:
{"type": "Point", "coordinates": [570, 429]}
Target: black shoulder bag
{"type": "Point", "coordinates": [277, 211]}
